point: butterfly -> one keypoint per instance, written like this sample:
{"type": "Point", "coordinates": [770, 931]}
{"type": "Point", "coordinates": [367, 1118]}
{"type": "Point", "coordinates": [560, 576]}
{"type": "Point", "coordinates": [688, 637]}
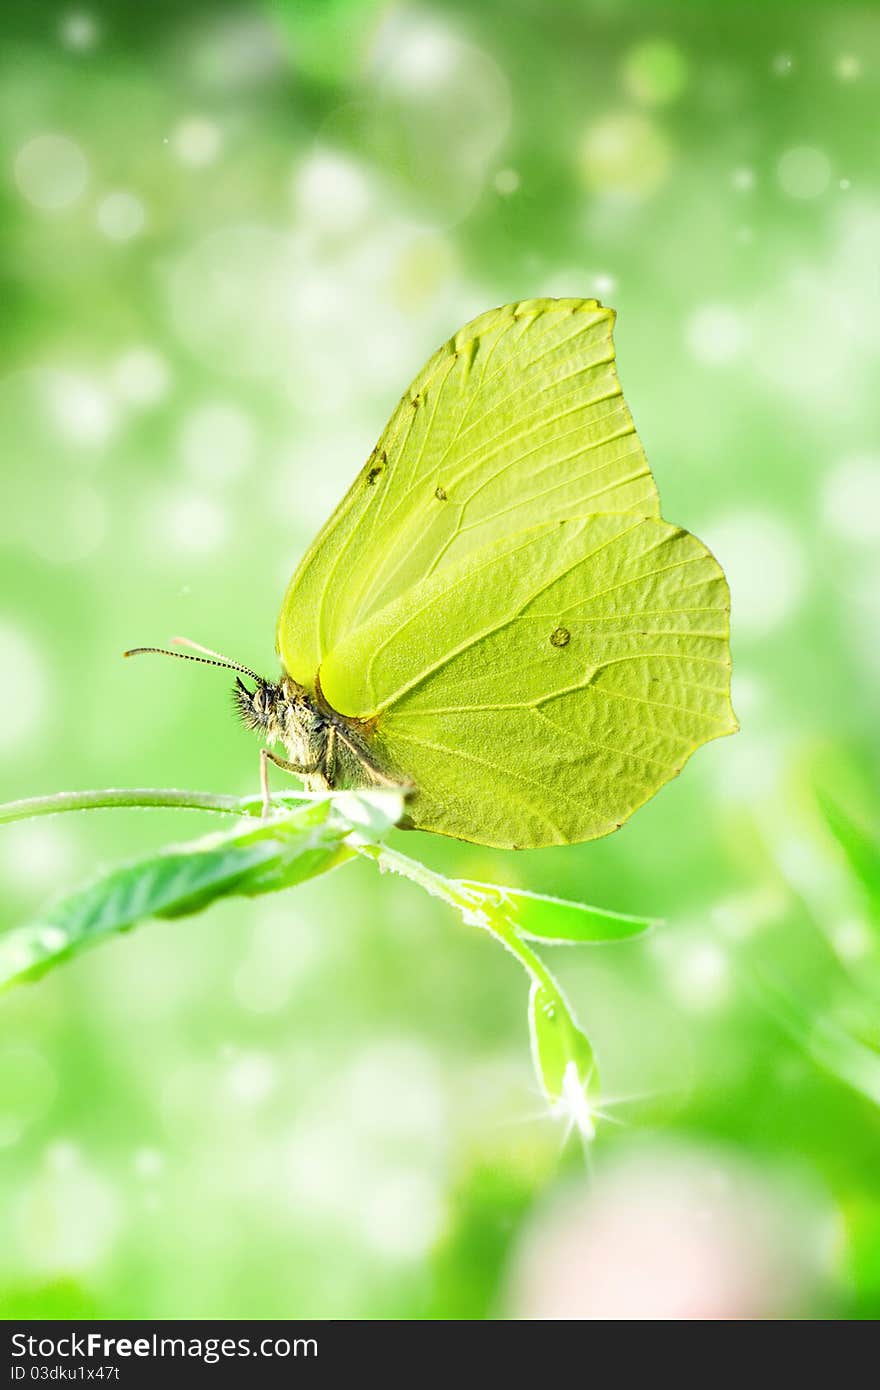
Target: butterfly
{"type": "Point", "coordinates": [496, 618]}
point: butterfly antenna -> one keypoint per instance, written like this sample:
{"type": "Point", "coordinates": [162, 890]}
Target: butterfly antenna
{"type": "Point", "coordinates": [212, 659]}
{"type": "Point", "coordinates": [197, 647]}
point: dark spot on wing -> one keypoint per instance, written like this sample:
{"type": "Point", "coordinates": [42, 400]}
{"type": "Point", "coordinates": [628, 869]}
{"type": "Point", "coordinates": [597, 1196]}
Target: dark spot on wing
{"type": "Point", "coordinates": [440, 494]}
{"type": "Point", "coordinates": [560, 637]}
{"type": "Point", "coordinates": [378, 468]}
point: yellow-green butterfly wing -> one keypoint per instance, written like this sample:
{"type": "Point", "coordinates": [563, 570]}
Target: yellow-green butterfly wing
{"type": "Point", "coordinates": [541, 690]}
{"type": "Point", "coordinates": [517, 420]}
{"type": "Point", "coordinates": [498, 602]}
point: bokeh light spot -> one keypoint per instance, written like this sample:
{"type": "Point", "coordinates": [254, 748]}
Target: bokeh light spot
{"type": "Point", "coordinates": [803, 172]}
{"type": "Point", "coordinates": [332, 191]}
{"type": "Point", "coordinates": [121, 216]}
{"type": "Point", "coordinates": [676, 1231]}
{"type": "Point", "coordinates": [81, 407]}
{"type": "Point", "coordinates": [848, 67]}
{"type": "Point", "coordinates": [80, 31]}
{"type": "Point", "coordinates": [655, 72]}
{"type": "Point", "coordinates": [197, 142]}
{"type": "Point", "coordinates": [624, 153]}
{"type": "Point", "coordinates": [251, 1078]}
{"type": "Point", "coordinates": [394, 1091]}
{"type": "Point", "coordinates": [852, 939]}
{"type": "Point", "coordinates": [36, 852]}
{"type": "Point", "coordinates": [851, 499]}
{"type": "Point", "coordinates": [716, 334]}
{"type": "Point", "coordinates": [743, 179]}
{"type": "Point", "coordinates": [23, 691]}
{"type": "Point", "coordinates": [699, 975]}
{"type": "Point", "coordinates": [217, 442]}
{"type": "Point", "coordinates": [148, 1164]}
{"type": "Point", "coordinates": [765, 567]}
{"type": "Point", "coordinates": [506, 182]}
{"type": "Point", "coordinates": [189, 523]}
{"type": "Point", "coordinates": [51, 171]}
{"type": "Point", "coordinates": [67, 1219]}
{"type": "Point", "coordinates": [402, 1214]}
{"type": "Point", "coordinates": [426, 53]}
{"type": "Point", "coordinates": [141, 377]}
{"type": "Point", "coordinates": [238, 51]}
{"type": "Point", "coordinates": [439, 115]}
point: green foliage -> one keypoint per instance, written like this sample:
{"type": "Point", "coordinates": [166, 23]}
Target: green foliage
{"type": "Point", "coordinates": [177, 882]}
{"type": "Point", "coordinates": [297, 844]}
{"type": "Point", "coordinates": [555, 921]}
{"type": "Point", "coordinates": [563, 1057]}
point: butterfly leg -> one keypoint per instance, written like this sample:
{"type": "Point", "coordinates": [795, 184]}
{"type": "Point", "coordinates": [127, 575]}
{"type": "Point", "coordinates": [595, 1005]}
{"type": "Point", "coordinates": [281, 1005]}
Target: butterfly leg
{"type": "Point", "coordinates": [373, 774]}
{"type": "Point", "coordinates": [267, 757]}
{"type": "Point", "coordinates": [330, 758]}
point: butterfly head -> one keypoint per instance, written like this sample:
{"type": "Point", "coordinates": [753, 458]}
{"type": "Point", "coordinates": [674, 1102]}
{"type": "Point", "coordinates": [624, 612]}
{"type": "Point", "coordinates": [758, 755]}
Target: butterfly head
{"type": "Point", "coordinates": [259, 709]}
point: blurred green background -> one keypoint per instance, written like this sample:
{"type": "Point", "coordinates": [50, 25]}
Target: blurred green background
{"type": "Point", "coordinates": [232, 235]}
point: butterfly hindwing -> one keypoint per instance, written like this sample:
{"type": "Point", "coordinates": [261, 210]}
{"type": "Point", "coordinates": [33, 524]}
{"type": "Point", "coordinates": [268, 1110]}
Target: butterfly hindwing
{"type": "Point", "coordinates": [541, 689]}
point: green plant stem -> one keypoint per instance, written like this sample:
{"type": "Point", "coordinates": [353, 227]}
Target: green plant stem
{"type": "Point", "coordinates": [468, 905]}
{"type": "Point", "coordinates": [557, 1042]}
{"type": "Point", "coordinates": [131, 797]}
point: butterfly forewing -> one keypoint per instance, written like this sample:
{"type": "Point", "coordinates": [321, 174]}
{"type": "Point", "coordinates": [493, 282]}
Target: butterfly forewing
{"type": "Point", "coordinates": [518, 419]}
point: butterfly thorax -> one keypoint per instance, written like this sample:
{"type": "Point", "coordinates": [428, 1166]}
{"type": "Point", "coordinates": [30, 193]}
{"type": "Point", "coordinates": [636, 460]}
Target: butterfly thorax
{"type": "Point", "coordinates": [300, 726]}
{"type": "Point", "coordinates": [323, 747]}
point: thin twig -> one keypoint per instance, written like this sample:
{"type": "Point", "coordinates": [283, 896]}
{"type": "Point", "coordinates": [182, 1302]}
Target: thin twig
{"type": "Point", "coordinates": [130, 797]}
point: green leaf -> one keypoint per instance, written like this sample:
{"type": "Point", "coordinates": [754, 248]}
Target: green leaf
{"type": "Point", "coordinates": [563, 1058]}
{"type": "Point", "coordinates": [186, 878]}
{"type": "Point", "coordinates": [308, 839]}
{"type": "Point", "coordinates": [555, 920]}
{"type": "Point", "coordinates": [860, 846]}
